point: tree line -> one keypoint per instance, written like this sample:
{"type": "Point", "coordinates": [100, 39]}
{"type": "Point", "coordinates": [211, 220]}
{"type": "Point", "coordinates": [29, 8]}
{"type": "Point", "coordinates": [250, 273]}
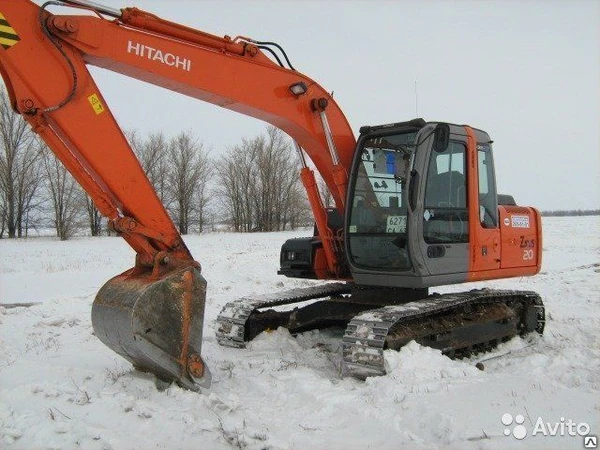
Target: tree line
{"type": "Point", "coordinates": [571, 212]}
{"type": "Point", "coordinates": [252, 186]}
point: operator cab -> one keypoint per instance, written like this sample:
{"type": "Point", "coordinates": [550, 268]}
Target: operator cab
{"type": "Point", "coordinates": [408, 217]}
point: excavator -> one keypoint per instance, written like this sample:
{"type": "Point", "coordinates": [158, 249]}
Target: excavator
{"type": "Point", "coordinates": [416, 204]}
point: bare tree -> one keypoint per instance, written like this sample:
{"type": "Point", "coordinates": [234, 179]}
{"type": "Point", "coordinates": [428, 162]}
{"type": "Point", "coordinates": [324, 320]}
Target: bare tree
{"type": "Point", "coordinates": [259, 184]}
{"type": "Point", "coordinates": [93, 215]}
{"type": "Point", "coordinates": [291, 204]}
{"type": "Point", "coordinates": [202, 197]}
{"type": "Point", "coordinates": [236, 181]}
{"type": "Point", "coordinates": [295, 209]}
{"type": "Point", "coordinates": [179, 170]}
{"type": "Point", "coordinates": [325, 193]}
{"type": "Point", "coordinates": [19, 171]}
{"type": "Point", "coordinates": [3, 213]}
{"type": "Point", "coordinates": [187, 177]}
{"type": "Point", "coordinates": [65, 196]}
{"type": "Point", "coordinates": [152, 152]}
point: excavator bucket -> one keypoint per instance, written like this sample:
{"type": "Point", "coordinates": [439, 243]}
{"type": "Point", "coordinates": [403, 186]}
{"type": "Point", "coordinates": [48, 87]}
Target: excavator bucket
{"type": "Point", "coordinates": [155, 322]}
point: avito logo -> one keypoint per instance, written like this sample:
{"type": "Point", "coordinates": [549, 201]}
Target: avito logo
{"type": "Point", "coordinates": [519, 431]}
{"type": "Point", "coordinates": [564, 427]}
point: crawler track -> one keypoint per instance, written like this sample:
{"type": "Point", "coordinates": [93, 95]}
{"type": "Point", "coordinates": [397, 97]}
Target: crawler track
{"type": "Point", "coordinates": [232, 319]}
{"type": "Point", "coordinates": [457, 324]}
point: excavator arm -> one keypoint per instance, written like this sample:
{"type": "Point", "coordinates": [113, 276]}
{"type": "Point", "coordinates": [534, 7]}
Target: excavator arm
{"type": "Point", "coordinates": [153, 313]}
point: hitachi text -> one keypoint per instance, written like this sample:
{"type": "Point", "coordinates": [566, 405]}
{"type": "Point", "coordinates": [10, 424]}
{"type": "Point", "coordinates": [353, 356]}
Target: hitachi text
{"type": "Point", "coordinates": [155, 54]}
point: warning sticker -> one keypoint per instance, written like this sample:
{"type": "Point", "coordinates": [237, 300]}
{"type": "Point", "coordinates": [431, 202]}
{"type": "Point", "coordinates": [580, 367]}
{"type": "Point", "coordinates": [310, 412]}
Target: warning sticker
{"type": "Point", "coordinates": [8, 36]}
{"type": "Point", "coordinates": [519, 221]}
{"type": "Point", "coordinates": [96, 103]}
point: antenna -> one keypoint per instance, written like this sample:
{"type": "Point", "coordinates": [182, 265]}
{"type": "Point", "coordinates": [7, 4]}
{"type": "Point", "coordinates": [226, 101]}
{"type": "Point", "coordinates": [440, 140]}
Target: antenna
{"type": "Point", "coordinates": [416, 101]}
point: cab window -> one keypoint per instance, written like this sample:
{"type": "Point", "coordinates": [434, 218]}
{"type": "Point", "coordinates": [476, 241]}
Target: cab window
{"type": "Point", "coordinates": [488, 200]}
{"type": "Point", "coordinates": [377, 228]}
{"type": "Point", "coordinates": [445, 216]}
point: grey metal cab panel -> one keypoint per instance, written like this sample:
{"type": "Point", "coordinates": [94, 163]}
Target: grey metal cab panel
{"type": "Point", "coordinates": [439, 243]}
{"type": "Point", "coordinates": [430, 247]}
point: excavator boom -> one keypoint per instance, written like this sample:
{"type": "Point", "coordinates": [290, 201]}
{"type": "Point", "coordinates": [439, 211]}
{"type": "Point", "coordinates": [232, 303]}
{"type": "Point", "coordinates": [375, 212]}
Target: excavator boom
{"type": "Point", "coordinates": [153, 313]}
{"type": "Point", "coordinates": [415, 202]}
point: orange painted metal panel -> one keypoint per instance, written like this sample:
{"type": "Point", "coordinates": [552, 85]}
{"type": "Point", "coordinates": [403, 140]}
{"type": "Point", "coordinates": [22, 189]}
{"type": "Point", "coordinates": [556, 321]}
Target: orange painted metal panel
{"type": "Point", "coordinates": [484, 243]}
{"type": "Point", "coordinates": [510, 250]}
{"type": "Point", "coordinates": [521, 237]}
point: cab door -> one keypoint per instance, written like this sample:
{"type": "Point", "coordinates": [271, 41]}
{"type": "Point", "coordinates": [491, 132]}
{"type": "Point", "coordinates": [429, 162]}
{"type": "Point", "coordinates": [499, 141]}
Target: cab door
{"type": "Point", "coordinates": [483, 206]}
{"type": "Point", "coordinates": [458, 238]}
{"type": "Point", "coordinates": [442, 215]}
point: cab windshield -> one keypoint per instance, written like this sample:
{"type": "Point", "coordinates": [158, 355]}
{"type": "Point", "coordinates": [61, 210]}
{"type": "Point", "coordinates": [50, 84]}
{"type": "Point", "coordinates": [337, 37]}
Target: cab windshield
{"type": "Point", "coordinates": [377, 230]}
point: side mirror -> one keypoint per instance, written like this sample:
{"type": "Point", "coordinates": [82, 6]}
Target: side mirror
{"type": "Point", "coordinates": [441, 137]}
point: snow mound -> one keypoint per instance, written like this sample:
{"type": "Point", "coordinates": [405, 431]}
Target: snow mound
{"type": "Point", "coordinates": [415, 363]}
{"type": "Point", "coordinates": [274, 340]}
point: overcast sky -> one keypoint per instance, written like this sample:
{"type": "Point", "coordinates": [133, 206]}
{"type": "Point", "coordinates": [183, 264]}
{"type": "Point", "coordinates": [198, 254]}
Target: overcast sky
{"type": "Point", "coordinates": [526, 72]}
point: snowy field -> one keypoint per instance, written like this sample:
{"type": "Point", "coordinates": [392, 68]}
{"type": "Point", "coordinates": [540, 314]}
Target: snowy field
{"type": "Point", "coordinates": [60, 388]}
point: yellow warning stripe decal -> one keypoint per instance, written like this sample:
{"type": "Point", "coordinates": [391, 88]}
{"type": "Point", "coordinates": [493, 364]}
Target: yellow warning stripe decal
{"type": "Point", "coordinates": [6, 28]}
{"type": "Point", "coordinates": [8, 36]}
{"type": "Point", "coordinates": [8, 42]}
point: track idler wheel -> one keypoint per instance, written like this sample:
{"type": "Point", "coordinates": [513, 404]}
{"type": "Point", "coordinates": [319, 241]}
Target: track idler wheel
{"type": "Point", "coordinates": [155, 321]}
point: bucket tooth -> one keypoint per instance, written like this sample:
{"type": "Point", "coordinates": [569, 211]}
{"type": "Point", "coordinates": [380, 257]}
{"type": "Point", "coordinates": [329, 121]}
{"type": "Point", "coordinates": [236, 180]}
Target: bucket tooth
{"type": "Point", "coordinates": [156, 323]}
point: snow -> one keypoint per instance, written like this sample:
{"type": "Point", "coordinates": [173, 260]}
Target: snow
{"type": "Point", "coordinates": [60, 388]}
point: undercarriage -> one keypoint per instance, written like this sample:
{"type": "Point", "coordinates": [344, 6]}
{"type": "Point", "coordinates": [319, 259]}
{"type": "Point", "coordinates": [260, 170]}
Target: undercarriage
{"type": "Point", "coordinates": [376, 319]}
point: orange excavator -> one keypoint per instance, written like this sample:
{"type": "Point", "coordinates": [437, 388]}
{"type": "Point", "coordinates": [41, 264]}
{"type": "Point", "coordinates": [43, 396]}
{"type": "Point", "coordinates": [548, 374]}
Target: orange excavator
{"type": "Point", "coordinates": [415, 202]}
